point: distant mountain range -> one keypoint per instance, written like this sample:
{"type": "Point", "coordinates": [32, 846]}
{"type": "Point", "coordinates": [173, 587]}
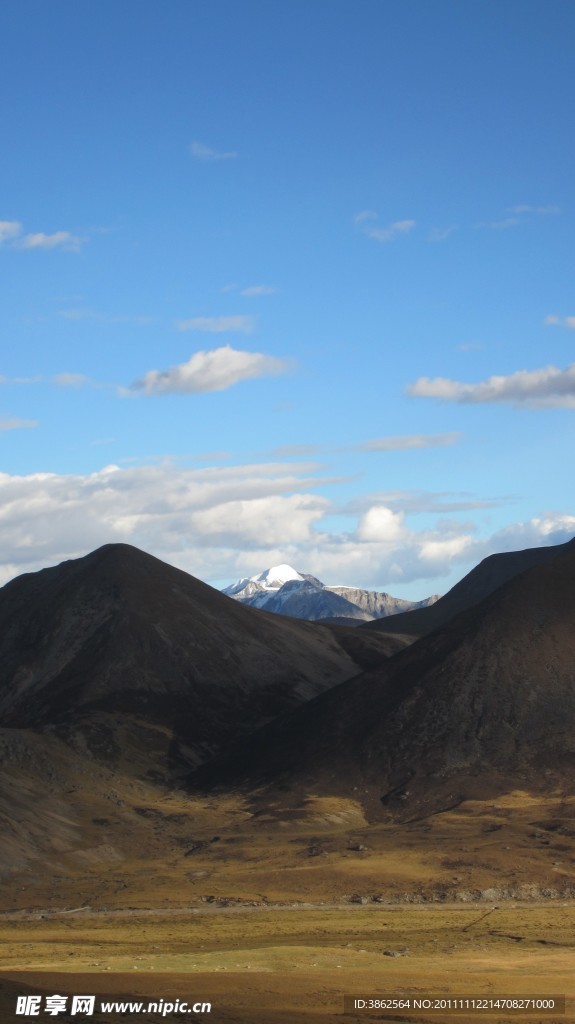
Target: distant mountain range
{"type": "Point", "coordinates": [286, 591]}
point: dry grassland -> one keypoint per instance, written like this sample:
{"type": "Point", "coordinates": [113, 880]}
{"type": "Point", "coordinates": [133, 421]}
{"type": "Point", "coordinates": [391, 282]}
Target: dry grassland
{"type": "Point", "coordinates": [273, 914]}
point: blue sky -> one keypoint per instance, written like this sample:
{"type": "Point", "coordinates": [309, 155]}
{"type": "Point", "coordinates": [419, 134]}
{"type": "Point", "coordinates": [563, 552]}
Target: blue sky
{"type": "Point", "coordinates": [287, 281]}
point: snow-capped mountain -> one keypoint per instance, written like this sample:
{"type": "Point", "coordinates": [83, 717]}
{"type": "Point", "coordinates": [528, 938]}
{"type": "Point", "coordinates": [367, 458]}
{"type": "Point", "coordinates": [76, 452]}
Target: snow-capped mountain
{"type": "Point", "coordinates": [286, 591]}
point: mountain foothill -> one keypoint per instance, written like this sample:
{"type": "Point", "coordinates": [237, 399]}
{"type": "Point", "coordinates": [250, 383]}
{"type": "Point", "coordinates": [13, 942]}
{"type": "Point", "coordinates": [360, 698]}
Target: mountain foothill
{"type": "Point", "coordinates": [120, 670]}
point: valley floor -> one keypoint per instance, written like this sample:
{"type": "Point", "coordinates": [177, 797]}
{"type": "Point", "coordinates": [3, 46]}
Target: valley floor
{"type": "Point", "coordinates": [295, 964]}
{"type": "Point", "coordinates": [273, 915]}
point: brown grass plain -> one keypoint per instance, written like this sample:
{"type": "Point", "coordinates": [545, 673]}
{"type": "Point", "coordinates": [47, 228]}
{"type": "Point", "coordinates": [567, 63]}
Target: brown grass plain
{"type": "Point", "coordinates": [273, 914]}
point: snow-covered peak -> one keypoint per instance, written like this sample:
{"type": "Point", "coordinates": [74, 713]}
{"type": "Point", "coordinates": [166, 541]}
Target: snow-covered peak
{"type": "Point", "coordinates": [272, 579]}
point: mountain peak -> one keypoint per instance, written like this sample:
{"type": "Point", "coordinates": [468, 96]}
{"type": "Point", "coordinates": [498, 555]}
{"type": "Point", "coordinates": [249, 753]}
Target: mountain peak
{"type": "Point", "coordinates": [276, 576]}
{"type": "Point", "coordinates": [285, 591]}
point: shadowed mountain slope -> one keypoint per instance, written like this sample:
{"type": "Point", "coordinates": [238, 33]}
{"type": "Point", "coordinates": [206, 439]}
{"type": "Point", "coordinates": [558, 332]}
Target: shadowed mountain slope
{"type": "Point", "coordinates": [483, 580]}
{"type": "Point", "coordinates": [485, 702]}
{"type": "Point", "coordinates": [120, 633]}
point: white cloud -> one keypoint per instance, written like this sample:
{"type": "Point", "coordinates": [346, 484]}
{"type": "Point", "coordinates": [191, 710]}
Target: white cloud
{"type": "Point", "coordinates": [14, 423]}
{"type": "Point", "coordinates": [256, 521]}
{"type": "Point", "coordinates": [403, 442]}
{"type": "Point", "coordinates": [240, 324]}
{"type": "Point", "coordinates": [381, 525]}
{"type": "Point", "coordinates": [367, 222]}
{"type": "Point", "coordinates": [57, 240]}
{"type": "Point", "coordinates": [215, 370]}
{"type": "Point", "coordinates": [547, 388]}
{"type": "Point", "coordinates": [258, 289]}
{"type": "Point", "coordinates": [222, 522]}
{"type": "Point", "coordinates": [205, 153]}
{"type": "Point", "coordinates": [560, 321]}
{"type": "Point", "coordinates": [9, 229]}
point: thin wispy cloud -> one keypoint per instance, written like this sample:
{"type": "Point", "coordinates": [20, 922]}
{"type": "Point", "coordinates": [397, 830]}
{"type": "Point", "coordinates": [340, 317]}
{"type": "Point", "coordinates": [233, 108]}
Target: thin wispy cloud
{"type": "Point", "coordinates": [294, 451]}
{"type": "Point", "coordinates": [106, 318]}
{"type": "Point", "coordinates": [501, 225]}
{"type": "Point", "coordinates": [258, 289]}
{"type": "Point", "coordinates": [21, 380]}
{"type": "Point", "coordinates": [436, 502]}
{"type": "Point", "coordinates": [70, 380]}
{"type": "Point", "coordinates": [560, 321]}
{"type": "Point", "coordinates": [215, 370]}
{"type": "Point", "coordinates": [440, 234]}
{"type": "Point", "coordinates": [200, 151]}
{"type": "Point", "coordinates": [519, 214]}
{"type": "Point", "coordinates": [542, 211]}
{"type": "Point", "coordinates": [367, 221]}
{"type": "Point", "coordinates": [547, 388]}
{"type": "Point", "coordinates": [470, 346]}
{"type": "Point", "coordinates": [15, 423]}
{"type": "Point", "coordinates": [404, 442]}
{"type": "Point", "coordinates": [240, 324]}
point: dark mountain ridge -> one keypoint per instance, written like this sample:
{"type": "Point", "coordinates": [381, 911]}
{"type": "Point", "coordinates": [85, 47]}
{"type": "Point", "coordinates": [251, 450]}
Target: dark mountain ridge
{"type": "Point", "coordinates": [485, 702]}
{"type": "Point", "coordinates": [484, 579]}
{"type": "Point", "coordinates": [119, 632]}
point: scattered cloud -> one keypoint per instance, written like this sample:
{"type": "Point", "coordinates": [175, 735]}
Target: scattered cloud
{"type": "Point", "coordinates": [258, 289]}
{"type": "Point", "coordinates": [199, 151]}
{"type": "Point", "coordinates": [367, 220]}
{"type": "Point", "coordinates": [547, 388]}
{"type": "Point", "coordinates": [403, 442]}
{"type": "Point", "coordinates": [15, 423]}
{"type": "Point", "coordinates": [214, 370]}
{"type": "Point", "coordinates": [222, 522]}
{"type": "Point", "coordinates": [561, 321]}
{"type": "Point", "coordinates": [240, 324]}
{"type": "Point", "coordinates": [11, 231]}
